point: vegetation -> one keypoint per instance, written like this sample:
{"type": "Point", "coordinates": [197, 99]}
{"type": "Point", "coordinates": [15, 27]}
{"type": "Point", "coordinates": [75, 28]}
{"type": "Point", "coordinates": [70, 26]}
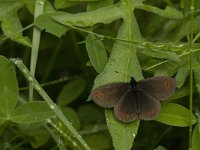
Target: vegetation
{"type": "Point", "coordinates": [72, 46]}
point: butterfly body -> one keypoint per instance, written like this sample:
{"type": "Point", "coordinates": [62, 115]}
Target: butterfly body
{"type": "Point", "coordinates": [134, 100]}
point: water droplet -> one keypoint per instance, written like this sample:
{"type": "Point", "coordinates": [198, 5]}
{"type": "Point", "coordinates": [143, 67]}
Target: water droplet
{"type": "Point", "coordinates": [74, 143]}
{"type": "Point", "coordinates": [48, 120]}
{"type": "Point", "coordinates": [160, 45]}
{"type": "Point", "coordinates": [37, 88]}
{"type": "Point", "coordinates": [41, 2]}
{"type": "Point", "coordinates": [30, 79]}
{"type": "Point", "coordinates": [133, 134]}
{"type": "Point", "coordinates": [192, 7]}
{"type": "Point", "coordinates": [24, 71]}
{"type": "Point", "coordinates": [60, 141]}
{"type": "Point", "coordinates": [144, 43]}
{"type": "Point", "coordinates": [52, 106]}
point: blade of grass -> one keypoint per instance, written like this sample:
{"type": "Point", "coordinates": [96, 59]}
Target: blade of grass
{"type": "Point", "coordinates": [51, 104]}
{"type": "Point", "coordinates": [39, 7]}
{"type": "Point", "coordinates": [191, 73]}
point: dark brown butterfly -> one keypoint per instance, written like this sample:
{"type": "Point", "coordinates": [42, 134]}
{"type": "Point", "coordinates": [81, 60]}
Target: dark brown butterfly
{"type": "Point", "coordinates": [134, 100]}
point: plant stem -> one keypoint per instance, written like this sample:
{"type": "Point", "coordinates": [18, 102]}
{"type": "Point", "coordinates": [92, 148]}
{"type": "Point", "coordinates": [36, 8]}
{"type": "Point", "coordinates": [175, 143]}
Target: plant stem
{"type": "Point", "coordinates": [191, 73]}
{"type": "Point", "coordinates": [39, 7]}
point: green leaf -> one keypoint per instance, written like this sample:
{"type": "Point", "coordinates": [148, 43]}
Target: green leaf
{"type": "Point", "coordinates": [175, 115]}
{"type": "Point", "coordinates": [98, 4]}
{"type": "Point", "coordinates": [123, 134]}
{"type": "Point", "coordinates": [90, 114]}
{"type": "Point", "coordinates": [90, 18]}
{"type": "Point", "coordinates": [96, 52]}
{"type": "Point", "coordinates": [72, 116]}
{"type": "Point", "coordinates": [32, 112]}
{"type": "Point", "coordinates": [197, 73]}
{"type": "Point", "coordinates": [159, 53]}
{"type": "Point", "coordinates": [60, 4]}
{"type": "Point", "coordinates": [36, 132]}
{"type": "Point", "coordinates": [71, 92]}
{"type": "Point", "coordinates": [169, 12]}
{"type": "Point", "coordinates": [196, 137]}
{"type": "Point", "coordinates": [99, 141]}
{"type": "Point", "coordinates": [181, 75]}
{"type": "Point", "coordinates": [11, 26]}
{"type": "Point", "coordinates": [9, 5]}
{"type": "Point", "coordinates": [8, 89]}
{"type": "Point", "coordinates": [45, 21]}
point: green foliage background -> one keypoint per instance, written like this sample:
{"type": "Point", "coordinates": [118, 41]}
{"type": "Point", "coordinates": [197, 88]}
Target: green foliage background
{"type": "Point", "coordinates": [83, 44]}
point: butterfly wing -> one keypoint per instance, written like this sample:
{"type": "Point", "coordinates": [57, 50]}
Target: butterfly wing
{"type": "Point", "coordinates": [148, 105]}
{"type": "Point", "coordinates": [159, 87]}
{"type": "Point", "coordinates": [107, 95]}
{"type": "Point", "coordinates": [125, 108]}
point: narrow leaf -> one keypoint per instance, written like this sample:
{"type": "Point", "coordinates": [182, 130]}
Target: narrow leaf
{"type": "Point", "coordinates": [71, 92]}
{"type": "Point", "coordinates": [96, 52]}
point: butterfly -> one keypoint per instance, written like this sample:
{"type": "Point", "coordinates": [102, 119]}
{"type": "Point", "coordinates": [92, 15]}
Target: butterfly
{"type": "Point", "coordinates": [134, 100]}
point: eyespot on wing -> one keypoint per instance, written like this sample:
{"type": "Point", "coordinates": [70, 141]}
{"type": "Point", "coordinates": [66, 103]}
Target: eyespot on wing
{"type": "Point", "coordinates": [159, 87]}
{"type": "Point", "coordinates": [107, 95]}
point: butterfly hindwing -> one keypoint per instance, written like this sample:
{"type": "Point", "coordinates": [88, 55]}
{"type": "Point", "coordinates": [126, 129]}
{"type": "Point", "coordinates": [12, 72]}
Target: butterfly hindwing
{"type": "Point", "coordinates": [159, 87]}
{"type": "Point", "coordinates": [148, 105]}
{"type": "Point", "coordinates": [125, 108]}
{"type": "Point", "coordinates": [107, 95]}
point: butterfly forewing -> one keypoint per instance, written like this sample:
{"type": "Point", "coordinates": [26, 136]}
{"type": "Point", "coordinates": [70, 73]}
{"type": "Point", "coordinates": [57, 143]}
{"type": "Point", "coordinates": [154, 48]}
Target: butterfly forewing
{"type": "Point", "coordinates": [107, 95]}
{"type": "Point", "coordinates": [159, 87]}
{"type": "Point", "coordinates": [149, 106]}
{"type": "Point", "coordinates": [125, 108]}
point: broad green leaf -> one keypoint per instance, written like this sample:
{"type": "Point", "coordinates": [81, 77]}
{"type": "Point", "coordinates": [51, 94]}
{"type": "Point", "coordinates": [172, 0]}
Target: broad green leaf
{"type": "Point", "coordinates": [99, 141]}
{"type": "Point", "coordinates": [72, 116]}
{"type": "Point", "coordinates": [197, 73]}
{"type": "Point", "coordinates": [181, 75]}
{"type": "Point", "coordinates": [90, 114]}
{"type": "Point", "coordinates": [30, 5]}
{"type": "Point", "coordinates": [60, 4]}
{"type": "Point", "coordinates": [184, 68]}
{"type": "Point", "coordinates": [36, 132]}
{"type": "Point", "coordinates": [45, 21]}
{"type": "Point", "coordinates": [175, 115]}
{"type": "Point", "coordinates": [90, 18]}
{"type": "Point", "coordinates": [9, 5]}
{"type": "Point", "coordinates": [8, 89]}
{"type": "Point", "coordinates": [32, 112]}
{"type": "Point", "coordinates": [98, 4]}
{"type": "Point", "coordinates": [166, 69]}
{"type": "Point", "coordinates": [123, 134]}
{"type": "Point", "coordinates": [196, 137]}
{"type": "Point", "coordinates": [180, 93]}
{"type": "Point", "coordinates": [169, 12]}
{"type": "Point", "coordinates": [96, 52]}
{"type": "Point", "coordinates": [11, 26]}
{"type": "Point", "coordinates": [40, 137]}
{"type": "Point", "coordinates": [159, 53]}
{"type": "Point", "coordinates": [71, 92]}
